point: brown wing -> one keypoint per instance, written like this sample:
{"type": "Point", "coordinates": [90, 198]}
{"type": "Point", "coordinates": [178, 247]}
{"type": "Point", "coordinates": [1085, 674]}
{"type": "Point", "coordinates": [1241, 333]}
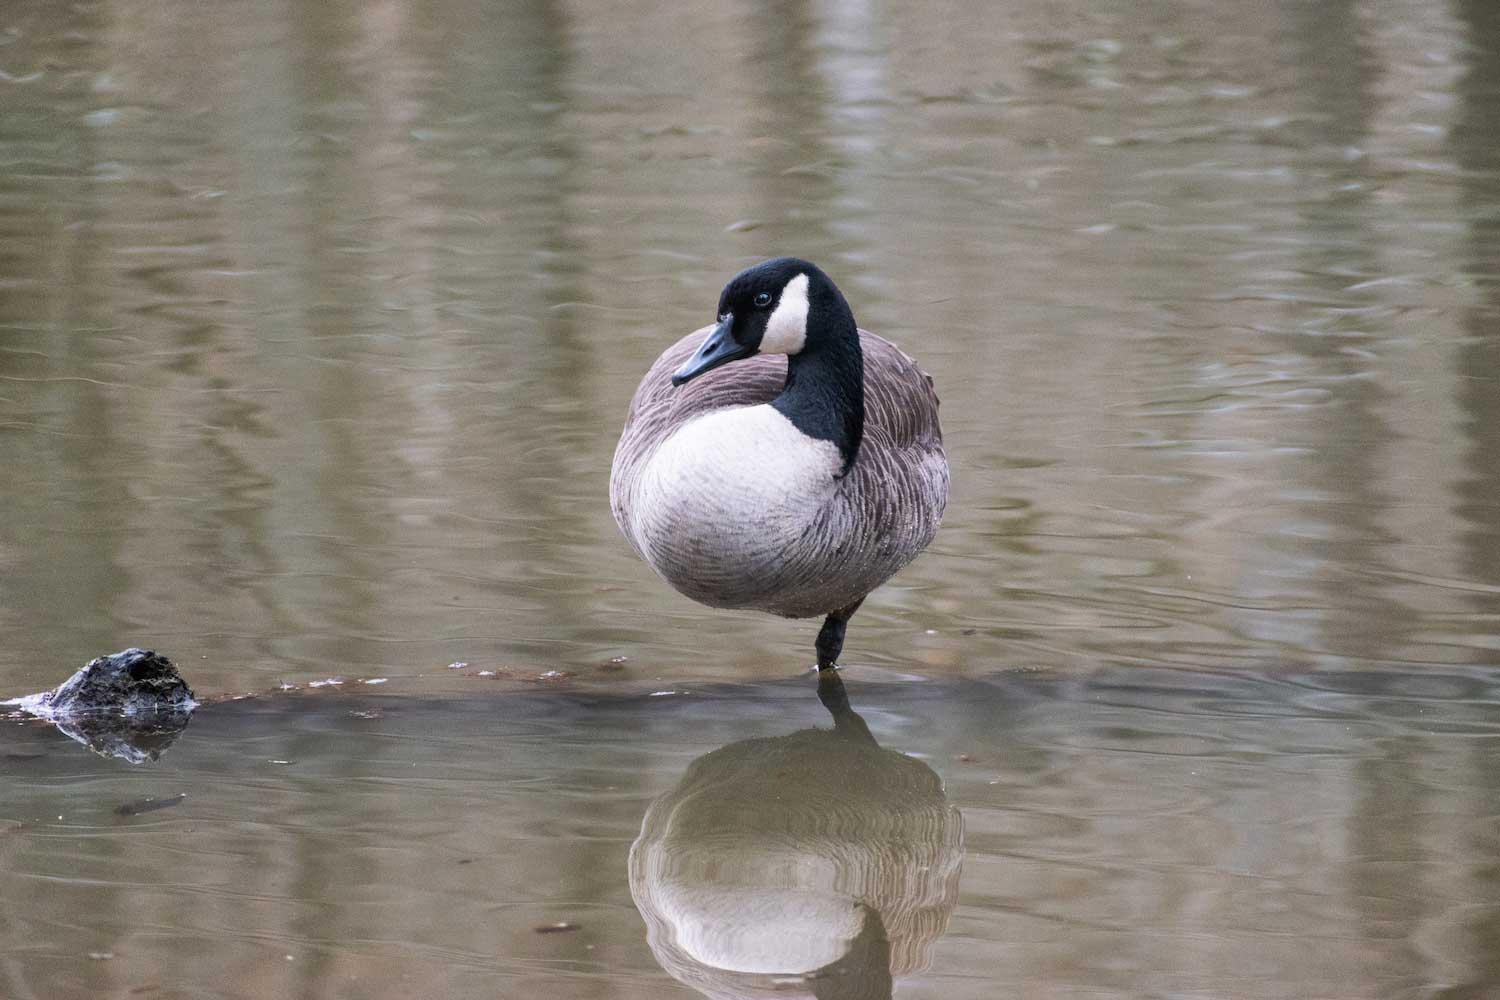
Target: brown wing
{"type": "Point", "coordinates": [900, 403]}
{"type": "Point", "coordinates": [895, 493]}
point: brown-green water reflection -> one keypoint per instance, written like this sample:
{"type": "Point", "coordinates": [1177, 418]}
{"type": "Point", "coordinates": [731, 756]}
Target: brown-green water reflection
{"type": "Point", "coordinates": [1133, 832]}
{"type": "Point", "coordinates": [317, 326]}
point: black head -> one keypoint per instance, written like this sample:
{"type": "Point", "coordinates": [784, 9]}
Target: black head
{"type": "Point", "coordinates": [764, 310]}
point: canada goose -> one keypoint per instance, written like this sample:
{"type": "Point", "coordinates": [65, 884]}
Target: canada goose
{"type": "Point", "coordinates": [794, 486]}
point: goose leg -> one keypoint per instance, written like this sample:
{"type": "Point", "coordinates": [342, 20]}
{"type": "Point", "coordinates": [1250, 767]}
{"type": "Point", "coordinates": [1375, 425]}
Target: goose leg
{"type": "Point", "coordinates": [831, 636]}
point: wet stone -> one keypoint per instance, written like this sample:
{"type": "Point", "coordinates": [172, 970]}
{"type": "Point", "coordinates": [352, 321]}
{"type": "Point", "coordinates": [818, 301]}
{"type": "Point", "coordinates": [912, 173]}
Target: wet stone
{"type": "Point", "coordinates": [130, 682]}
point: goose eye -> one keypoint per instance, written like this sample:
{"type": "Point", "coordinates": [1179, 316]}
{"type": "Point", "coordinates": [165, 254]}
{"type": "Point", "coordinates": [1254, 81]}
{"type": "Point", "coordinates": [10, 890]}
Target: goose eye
{"type": "Point", "coordinates": [763, 299]}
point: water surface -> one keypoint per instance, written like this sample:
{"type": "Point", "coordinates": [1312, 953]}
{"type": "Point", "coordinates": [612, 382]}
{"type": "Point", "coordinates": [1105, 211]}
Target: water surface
{"type": "Point", "coordinates": [316, 330]}
{"type": "Point", "coordinates": [1132, 832]}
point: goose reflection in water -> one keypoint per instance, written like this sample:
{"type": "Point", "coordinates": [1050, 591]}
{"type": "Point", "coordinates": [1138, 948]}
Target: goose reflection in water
{"type": "Point", "coordinates": [811, 865]}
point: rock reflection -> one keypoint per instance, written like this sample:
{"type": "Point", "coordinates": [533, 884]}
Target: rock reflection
{"type": "Point", "coordinates": [810, 865]}
{"type": "Point", "coordinates": [133, 740]}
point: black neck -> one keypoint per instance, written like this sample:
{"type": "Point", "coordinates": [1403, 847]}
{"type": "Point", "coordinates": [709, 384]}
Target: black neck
{"type": "Point", "coordinates": [824, 396]}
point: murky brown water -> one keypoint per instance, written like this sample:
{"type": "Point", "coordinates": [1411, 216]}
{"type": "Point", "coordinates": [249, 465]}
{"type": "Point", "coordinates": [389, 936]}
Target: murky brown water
{"type": "Point", "coordinates": [316, 329]}
{"type": "Point", "coordinates": [1132, 832]}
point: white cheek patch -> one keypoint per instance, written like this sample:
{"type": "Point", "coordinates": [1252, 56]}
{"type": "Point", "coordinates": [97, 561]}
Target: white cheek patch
{"type": "Point", "coordinates": [786, 330]}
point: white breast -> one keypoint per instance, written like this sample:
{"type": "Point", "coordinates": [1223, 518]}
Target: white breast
{"type": "Point", "coordinates": [726, 495]}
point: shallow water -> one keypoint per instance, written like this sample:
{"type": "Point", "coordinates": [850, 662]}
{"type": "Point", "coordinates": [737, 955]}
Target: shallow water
{"type": "Point", "coordinates": [316, 330]}
{"type": "Point", "coordinates": [1132, 832]}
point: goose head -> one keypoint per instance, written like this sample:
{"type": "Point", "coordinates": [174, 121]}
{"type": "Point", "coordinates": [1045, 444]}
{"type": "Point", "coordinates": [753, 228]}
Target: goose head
{"type": "Point", "coordinates": [779, 306]}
